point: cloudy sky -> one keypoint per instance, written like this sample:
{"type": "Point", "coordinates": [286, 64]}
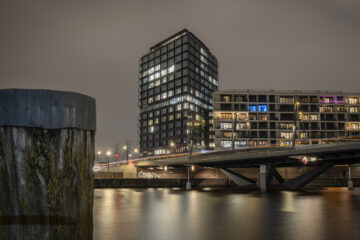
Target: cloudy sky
{"type": "Point", "coordinates": [93, 47]}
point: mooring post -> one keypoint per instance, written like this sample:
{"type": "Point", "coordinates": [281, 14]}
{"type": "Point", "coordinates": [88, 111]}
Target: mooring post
{"type": "Point", "coordinates": [46, 156]}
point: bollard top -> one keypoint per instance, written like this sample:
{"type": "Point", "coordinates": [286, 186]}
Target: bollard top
{"type": "Point", "coordinates": [46, 109]}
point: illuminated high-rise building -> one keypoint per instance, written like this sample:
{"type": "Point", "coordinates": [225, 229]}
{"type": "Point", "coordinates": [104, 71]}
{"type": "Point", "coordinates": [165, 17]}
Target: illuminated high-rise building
{"type": "Point", "coordinates": [176, 80]}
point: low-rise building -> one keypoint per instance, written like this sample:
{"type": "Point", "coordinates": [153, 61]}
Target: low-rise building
{"type": "Point", "coordinates": [269, 117]}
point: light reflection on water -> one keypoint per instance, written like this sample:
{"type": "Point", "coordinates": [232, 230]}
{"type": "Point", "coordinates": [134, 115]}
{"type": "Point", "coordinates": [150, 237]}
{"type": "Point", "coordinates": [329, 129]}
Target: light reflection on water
{"type": "Point", "coordinates": [171, 214]}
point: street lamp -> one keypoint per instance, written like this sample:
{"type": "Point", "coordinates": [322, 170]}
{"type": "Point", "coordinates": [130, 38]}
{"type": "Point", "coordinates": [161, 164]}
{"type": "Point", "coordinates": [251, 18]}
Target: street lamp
{"type": "Point", "coordinates": [108, 153]}
{"type": "Point", "coordinates": [125, 147]}
{"type": "Point", "coordinates": [98, 153]}
{"type": "Point", "coordinates": [249, 130]}
{"type": "Point", "coordinates": [295, 123]}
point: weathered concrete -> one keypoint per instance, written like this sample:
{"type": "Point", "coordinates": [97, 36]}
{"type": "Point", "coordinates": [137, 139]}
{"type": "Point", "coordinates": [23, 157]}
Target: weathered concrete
{"type": "Point", "coordinates": [46, 109]}
{"type": "Point", "coordinates": [46, 182]}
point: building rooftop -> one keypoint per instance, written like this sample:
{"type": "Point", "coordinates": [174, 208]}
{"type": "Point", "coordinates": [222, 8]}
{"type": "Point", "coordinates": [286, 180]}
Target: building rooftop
{"type": "Point", "coordinates": [268, 91]}
{"type": "Point", "coordinates": [176, 36]}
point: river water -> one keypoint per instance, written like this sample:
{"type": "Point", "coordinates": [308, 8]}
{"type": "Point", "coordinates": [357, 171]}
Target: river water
{"type": "Point", "coordinates": [176, 214]}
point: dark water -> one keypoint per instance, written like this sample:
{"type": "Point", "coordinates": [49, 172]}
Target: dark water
{"type": "Point", "coordinates": [171, 214]}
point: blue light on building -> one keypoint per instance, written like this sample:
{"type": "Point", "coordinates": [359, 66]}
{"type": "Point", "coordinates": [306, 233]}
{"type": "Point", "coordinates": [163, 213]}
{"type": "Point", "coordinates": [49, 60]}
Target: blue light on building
{"type": "Point", "coordinates": [252, 108]}
{"type": "Point", "coordinates": [262, 108]}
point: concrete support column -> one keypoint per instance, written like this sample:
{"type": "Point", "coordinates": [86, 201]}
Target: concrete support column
{"type": "Point", "coordinates": [263, 178]}
{"type": "Point", "coordinates": [350, 183]}
{"type": "Point", "coordinates": [46, 156]}
{"type": "Point", "coordinates": [188, 183]}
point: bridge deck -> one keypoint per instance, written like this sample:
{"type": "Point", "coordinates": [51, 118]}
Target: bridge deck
{"type": "Point", "coordinates": [339, 153]}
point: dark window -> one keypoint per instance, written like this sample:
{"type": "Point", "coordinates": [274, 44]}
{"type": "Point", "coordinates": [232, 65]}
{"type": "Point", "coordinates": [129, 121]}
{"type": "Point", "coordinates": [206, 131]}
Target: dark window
{"type": "Point", "coordinates": [252, 98]}
{"type": "Point", "coordinates": [225, 107]}
{"type": "Point", "coordinates": [285, 116]}
{"type": "Point", "coordinates": [262, 98]}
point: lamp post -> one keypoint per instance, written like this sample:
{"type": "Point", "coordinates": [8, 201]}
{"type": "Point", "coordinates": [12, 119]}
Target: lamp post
{"type": "Point", "coordinates": [136, 151]}
{"type": "Point", "coordinates": [108, 153]}
{"type": "Point", "coordinates": [234, 132]}
{"type": "Point", "coordinates": [249, 130]}
{"type": "Point", "coordinates": [172, 145]}
{"type": "Point", "coordinates": [295, 123]}
{"type": "Point", "coordinates": [98, 153]}
{"type": "Point", "coordinates": [125, 147]}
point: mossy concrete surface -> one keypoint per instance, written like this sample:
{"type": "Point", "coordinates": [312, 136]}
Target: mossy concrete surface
{"type": "Point", "coordinates": [46, 183]}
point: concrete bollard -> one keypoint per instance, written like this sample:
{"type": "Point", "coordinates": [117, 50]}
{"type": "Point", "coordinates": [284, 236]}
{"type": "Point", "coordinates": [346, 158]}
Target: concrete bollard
{"type": "Point", "coordinates": [46, 156]}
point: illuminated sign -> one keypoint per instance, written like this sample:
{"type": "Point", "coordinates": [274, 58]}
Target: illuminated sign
{"type": "Point", "coordinates": [332, 100]}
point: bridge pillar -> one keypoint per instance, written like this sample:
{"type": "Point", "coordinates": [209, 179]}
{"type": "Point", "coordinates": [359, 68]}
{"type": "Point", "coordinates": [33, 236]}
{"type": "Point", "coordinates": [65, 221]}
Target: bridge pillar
{"type": "Point", "coordinates": [188, 183]}
{"type": "Point", "coordinates": [264, 186]}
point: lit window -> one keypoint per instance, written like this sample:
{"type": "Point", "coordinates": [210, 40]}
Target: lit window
{"type": "Point", "coordinates": [170, 93]}
{"type": "Point", "coordinates": [151, 85]}
{"type": "Point", "coordinates": [144, 73]}
{"type": "Point", "coordinates": [151, 129]}
{"type": "Point", "coordinates": [286, 135]}
{"type": "Point", "coordinates": [314, 117]}
{"type": "Point", "coordinates": [239, 144]}
{"type": "Point", "coordinates": [252, 108]}
{"type": "Point", "coordinates": [227, 135]}
{"type": "Point", "coordinates": [262, 116]}
{"type": "Point", "coordinates": [226, 126]}
{"type": "Point", "coordinates": [150, 100]}
{"type": "Point", "coordinates": [226, 144]}
{"type": "Point", "coordinates": [157, 97]}
{"type": "Point", "coordinates": [178, 91]}
{"type": "Point", "coordinates": [164, 95]}
{"type": "Point", "coordinates": [157, 83]}
{"type": "Point", "coordinates": [163, 80]}
{"type": "Point", "coordinates": [151, 78]}
{"type": "Point", "coordinates": [326, 109]}
{"type": "Point", "coordinates": [352, 100]}
{"type": "Point", "coordinates": [157, 67]}
{"type": "Point", "coordinates": [145, 80]}
{"type": "Point", "coordinates": [286, 99]}
{"type": "Point", "coordinates": [157, 75]}
{"type": "Point", "coordinates": [171, 69]}
{"type": "Point", "coordinates": [151, 70]}
{"type": "Point", "coordinates": [171, 117]}
{"type": "Point", "coordinates": [150, 122]}
{"type": "Point", "coordinates": [262, 108]}
{"type": "Point", "coordinates": [353, 109]}
{"type": "Point", "coordinates": [163, 72]}
{"type": "Point", "coordinates": [178, 107]}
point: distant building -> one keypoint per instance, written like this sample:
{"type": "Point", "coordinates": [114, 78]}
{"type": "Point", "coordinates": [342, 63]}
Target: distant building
{"type": "Point", "coordinates": [255, 117]}
{"type": "Point", "coordinates": [176, 81]}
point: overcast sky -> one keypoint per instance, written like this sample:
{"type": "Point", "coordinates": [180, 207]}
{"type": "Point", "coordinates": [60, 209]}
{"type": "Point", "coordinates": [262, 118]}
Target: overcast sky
{"type": "Point", "coordinates": [93, 47]}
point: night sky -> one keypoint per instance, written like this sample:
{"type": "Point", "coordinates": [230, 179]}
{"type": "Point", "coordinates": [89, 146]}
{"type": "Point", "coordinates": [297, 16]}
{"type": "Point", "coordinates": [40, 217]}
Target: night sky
{"type": "Point", "coordinates": [93, 47]}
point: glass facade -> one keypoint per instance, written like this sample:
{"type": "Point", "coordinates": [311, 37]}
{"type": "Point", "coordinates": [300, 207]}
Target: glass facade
{"type": "Point", "coordinates": [176, 81]}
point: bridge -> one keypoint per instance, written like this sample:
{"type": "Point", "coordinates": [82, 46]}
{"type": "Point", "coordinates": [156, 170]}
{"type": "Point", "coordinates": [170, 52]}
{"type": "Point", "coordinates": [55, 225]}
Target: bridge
{"type": "Point", "coordinates": [319, 156]}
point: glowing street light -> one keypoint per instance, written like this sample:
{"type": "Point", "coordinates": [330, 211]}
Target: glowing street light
{"type": "Point", "coordinates": [108, 153]}
{"type": "Point", "coordinates": [136, 150]}
{"type": "Point", "coordinates": [98, 153]}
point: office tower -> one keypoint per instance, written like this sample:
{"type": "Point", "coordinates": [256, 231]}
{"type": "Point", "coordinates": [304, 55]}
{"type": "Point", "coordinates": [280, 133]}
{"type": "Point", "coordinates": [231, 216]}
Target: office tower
{"type": "Point", "coordinates": [176, 80]}
{"type": "Point", "coordinates": [257, 118]}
